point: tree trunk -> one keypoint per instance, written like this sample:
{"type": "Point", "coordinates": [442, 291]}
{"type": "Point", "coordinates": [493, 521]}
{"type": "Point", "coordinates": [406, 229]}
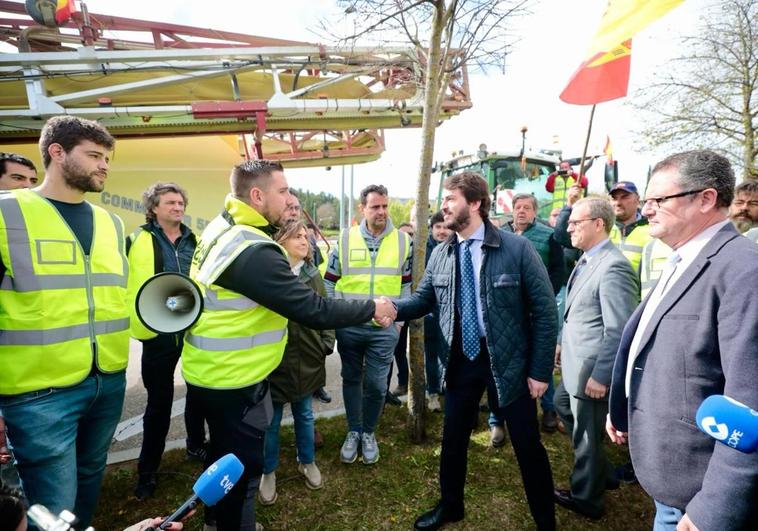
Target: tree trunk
{"type": "Point", "coordinates": [417, 381]}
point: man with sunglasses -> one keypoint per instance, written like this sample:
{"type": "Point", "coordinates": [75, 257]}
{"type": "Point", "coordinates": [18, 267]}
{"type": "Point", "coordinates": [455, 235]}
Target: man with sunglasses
{"type": "Point", "coordinates": [695, 335]}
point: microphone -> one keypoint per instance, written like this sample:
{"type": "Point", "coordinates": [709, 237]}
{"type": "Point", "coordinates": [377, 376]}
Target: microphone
{"type": "Point", "coordinates": [211, 486]}
{"type": "Point", "coordinates": [730, 422]}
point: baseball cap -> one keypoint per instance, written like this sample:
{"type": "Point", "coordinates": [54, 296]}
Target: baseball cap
{"type": "Point", "coordinates": [624, 186]}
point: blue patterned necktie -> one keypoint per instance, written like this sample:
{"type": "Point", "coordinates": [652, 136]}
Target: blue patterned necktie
{"type": "Point", "coordinates": [469, 316]}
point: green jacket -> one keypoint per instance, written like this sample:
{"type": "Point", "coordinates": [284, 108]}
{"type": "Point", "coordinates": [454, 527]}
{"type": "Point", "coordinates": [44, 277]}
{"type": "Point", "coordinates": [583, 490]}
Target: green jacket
{"type": "Point", "coordinates": [302, 369]}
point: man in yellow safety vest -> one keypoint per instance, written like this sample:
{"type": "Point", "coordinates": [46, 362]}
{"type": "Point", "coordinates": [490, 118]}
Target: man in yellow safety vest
{"type": "Point", "coordinates": [371, 259]}
{"type": "Point", "coordinates": [64, 321]}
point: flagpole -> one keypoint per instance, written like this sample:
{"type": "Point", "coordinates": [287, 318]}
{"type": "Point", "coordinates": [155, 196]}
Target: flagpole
{"type": "Point", "coordinates": [584, 153]}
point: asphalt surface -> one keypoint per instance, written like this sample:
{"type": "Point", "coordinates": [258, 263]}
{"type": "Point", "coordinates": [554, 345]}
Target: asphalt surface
{"type": "Point", "coordinates": [128, 437]}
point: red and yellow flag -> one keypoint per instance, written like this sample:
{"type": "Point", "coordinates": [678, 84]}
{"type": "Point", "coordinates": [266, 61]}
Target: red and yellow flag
{"type": "Point", "coordinates": [608, 150]}
{"type": "Point", "coordinates": [63, 10]}
{"type": "Point", "coordinates": [603, 77]}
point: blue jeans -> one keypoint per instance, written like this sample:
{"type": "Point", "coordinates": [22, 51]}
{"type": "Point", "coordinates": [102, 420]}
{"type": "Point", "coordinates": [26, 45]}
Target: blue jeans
{"type": "Point", "coordinates": [302, 414]}
{"type": "Point", "coordinates": [61, 438]}
{"type": "Point", "coordinates": [666, 517]}
{"type": "Point", "coordinates": [435, 354]}
{"type": "Point", "coordinates": [366, 353]}
{"type": "Point", "coordinates": [9, 474]}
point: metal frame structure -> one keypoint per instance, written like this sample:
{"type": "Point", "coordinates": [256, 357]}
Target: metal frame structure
{"type": "Point", "coordinates": [181, 80]}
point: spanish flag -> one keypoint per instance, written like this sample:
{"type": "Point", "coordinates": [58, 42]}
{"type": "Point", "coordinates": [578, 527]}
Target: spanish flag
{"type": "Point", "coordinates": [604, 77]}
{"type": "Point", "coordinates": [608, 150]}
{"type": "Point", "coordinates": [63, 10]}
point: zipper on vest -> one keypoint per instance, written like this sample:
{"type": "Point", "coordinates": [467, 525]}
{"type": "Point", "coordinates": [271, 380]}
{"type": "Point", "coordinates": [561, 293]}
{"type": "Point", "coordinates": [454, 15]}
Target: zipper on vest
{"type": "Point", "coordinates": [91, 305]}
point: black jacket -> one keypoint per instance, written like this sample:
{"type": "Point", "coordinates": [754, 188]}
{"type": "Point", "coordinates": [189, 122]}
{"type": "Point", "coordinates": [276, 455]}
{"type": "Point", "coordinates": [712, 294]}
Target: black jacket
{"type": "Point", "coordinates": [519, 308]}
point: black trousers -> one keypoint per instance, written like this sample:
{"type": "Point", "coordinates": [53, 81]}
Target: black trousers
{"type": "Point", "coordinates": [237, 423]}
{"type": "Point", "coordinates": [466, 381]}
{"type": "Point", "coordinates": [159, 358]}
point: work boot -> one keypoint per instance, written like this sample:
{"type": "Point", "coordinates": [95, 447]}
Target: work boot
{"type": "Point", "coordinates": [267, 489]}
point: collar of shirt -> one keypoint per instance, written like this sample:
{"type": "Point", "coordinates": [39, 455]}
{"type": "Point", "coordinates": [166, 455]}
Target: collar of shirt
{"type": "Point", "coordinates": [373, 242]}
{"type": "Point", "coordinates": [689, 251]}
{"type": "Point", "coordinates": [477, 235]}
{"type": "Point", "coordinates": [592, 251]}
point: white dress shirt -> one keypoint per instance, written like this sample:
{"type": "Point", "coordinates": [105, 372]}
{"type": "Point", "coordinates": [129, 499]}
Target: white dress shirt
{"type": "Point", "coordinates": [686, 255]}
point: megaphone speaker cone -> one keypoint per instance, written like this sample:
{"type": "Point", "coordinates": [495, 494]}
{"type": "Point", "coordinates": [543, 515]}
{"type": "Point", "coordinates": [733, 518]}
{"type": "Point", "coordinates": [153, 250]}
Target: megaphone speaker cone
{"type": "Point", "coordinates": [169, 303]}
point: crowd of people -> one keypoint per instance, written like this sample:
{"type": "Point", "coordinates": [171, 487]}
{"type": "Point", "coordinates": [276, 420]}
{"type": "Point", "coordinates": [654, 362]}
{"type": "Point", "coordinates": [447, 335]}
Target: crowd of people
{"type": "Point", "coordinates": [646, 305]}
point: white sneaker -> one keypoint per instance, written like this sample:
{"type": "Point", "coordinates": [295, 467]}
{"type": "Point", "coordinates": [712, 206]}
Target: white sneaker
{"type": "Point", "coordinates": [433, 403]}
{"type": "Point", "coordinates": [369, 449]}
{"type": "Point", "coordinates": [349, 451]}
{"type": "Point", "coordinates": [312, 475]}
{"type": "Point", "coordinates": [259, 526]}
{"type": "Point", "coordinates": [267, 490]}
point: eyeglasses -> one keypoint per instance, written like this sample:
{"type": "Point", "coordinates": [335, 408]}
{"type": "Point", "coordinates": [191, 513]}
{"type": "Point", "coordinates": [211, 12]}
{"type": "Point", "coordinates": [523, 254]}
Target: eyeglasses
{"type": "Point", "coordinates": [660, 200]}
{"type": "Point", "coordinates": [575, 222]}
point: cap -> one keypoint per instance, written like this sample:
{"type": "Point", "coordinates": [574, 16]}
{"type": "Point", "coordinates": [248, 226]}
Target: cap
{"type": "Point", "coordinates": [624, 186]}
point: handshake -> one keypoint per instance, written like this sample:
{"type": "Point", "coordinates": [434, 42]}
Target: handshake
{"type": "Point", "coordinates": [385, 313]}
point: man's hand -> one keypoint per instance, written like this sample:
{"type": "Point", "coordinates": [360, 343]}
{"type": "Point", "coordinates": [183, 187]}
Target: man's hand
{"type": "Point", "coordinates": [5, 455]}
{"type": "Point", "coordinates": [153, 523]}
{"type": "Point", "coordinates": [557, 360]}
{"type": "Point", "coordinates": [618, 437]}
{"type": "Point", "coordinates": [685, 524]}
{"type": "Point", "coordinates": [536, 388]}
{"type": "Point", "coordinates": [385, 312]}
{"type": "Point", "coordinates": [573, 195]}
{"type": "Point", "coordinates": [595, 389]}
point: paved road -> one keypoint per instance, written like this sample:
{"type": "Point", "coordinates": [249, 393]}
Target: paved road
{"type": "Point", "coordinates": [128, 437]}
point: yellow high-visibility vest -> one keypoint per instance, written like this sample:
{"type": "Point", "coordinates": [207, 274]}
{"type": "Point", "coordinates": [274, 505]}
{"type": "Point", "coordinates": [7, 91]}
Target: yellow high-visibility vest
{"type": "Point", "coordinates": [560, 189]}
{"type": "Point", "coordinates": [365, 279]}
{"type": "Point", "coordinates": [631, 246]}
{"type": "Point", "coordinates": [654, 258]}
{"type": "Point", "coordinates": [236, 342]}
{"type": "Point", "coordinates": [59, 308]}
{"type": "Point", "coordinates": [141, 268]}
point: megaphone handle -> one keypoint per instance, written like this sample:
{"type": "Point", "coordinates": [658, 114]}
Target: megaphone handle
{"type": "Point", "coordinates": [181, 512]}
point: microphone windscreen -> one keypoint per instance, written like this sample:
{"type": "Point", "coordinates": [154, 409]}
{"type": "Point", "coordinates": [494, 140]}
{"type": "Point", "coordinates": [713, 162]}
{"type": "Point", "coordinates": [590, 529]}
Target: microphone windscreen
{"type": "Point", "coordinates": [730, 422]}
{"type": "Point", "coordinates": [218, 479]}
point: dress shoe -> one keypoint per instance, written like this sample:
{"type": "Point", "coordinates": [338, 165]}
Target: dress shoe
{"type": "Point", "coordinates": [549, 421]}
{"type": "Point", "coordinates": [145, 487]}
{"type": "Point", "coordinates": [436, 518]}
{"type": "Point", "coordinates": [564, 499]}
{"type": "Point", "coordinates": [497, 436]}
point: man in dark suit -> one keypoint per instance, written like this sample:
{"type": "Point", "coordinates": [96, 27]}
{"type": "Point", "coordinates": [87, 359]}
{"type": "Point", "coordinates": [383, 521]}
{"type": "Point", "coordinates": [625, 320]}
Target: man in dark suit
{"type": "Point", "coordinates": [602, 294]}
{"type": "Point", "coordinates": [497, 317]}
{"type": "Point", "coordinates": [694, 335]}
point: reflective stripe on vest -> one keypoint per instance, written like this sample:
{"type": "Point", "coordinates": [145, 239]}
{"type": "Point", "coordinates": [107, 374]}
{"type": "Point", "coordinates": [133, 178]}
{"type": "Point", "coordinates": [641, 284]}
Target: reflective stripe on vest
{"type": "Point", "coordinates": [364, 277]}
{"type": "Point", "coordinates": [236, 342]}
{"type": "Point", "coordinates": [59, 307]}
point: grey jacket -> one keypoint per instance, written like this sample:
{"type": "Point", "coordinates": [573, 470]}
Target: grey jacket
{"type": "Point", "coordinates": [598, 305]}
{"type": "Point", "coordinates": [517, 301]}
{"type": "Point", "coordinates": [702, 340]}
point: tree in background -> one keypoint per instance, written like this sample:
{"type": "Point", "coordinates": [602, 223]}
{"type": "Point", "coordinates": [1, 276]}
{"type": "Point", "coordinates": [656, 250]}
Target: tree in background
{"type": "Point", "coordinates": [708, 97]}
{"type": "Point", "coordinates": [400, 211]}
{"type": "Point", "coordinates": [444, 34]}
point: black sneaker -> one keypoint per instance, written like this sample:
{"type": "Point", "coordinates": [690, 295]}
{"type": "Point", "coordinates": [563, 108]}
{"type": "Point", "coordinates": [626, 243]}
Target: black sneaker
{"type": "Point", "coordinates": [392, 400]}
{"type": "Point", "coordinates": [321, 395]}
{"type": "Point", "coordinates": [197, 453]}
{"type": "Point", "coordinates": [145, 488]}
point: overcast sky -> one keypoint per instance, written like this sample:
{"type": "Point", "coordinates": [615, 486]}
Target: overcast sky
{"type": "Point", "coordinates": [554, 39]}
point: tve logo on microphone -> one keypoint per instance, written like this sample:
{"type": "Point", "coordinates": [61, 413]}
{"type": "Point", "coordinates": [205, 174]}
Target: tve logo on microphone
{"type": "Point", "coordinates": [730, 422]}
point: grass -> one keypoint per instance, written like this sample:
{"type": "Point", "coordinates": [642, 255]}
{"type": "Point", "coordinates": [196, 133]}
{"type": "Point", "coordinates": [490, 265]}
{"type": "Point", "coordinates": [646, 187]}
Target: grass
{"type": "Point", "coordinates": [389, 495]}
